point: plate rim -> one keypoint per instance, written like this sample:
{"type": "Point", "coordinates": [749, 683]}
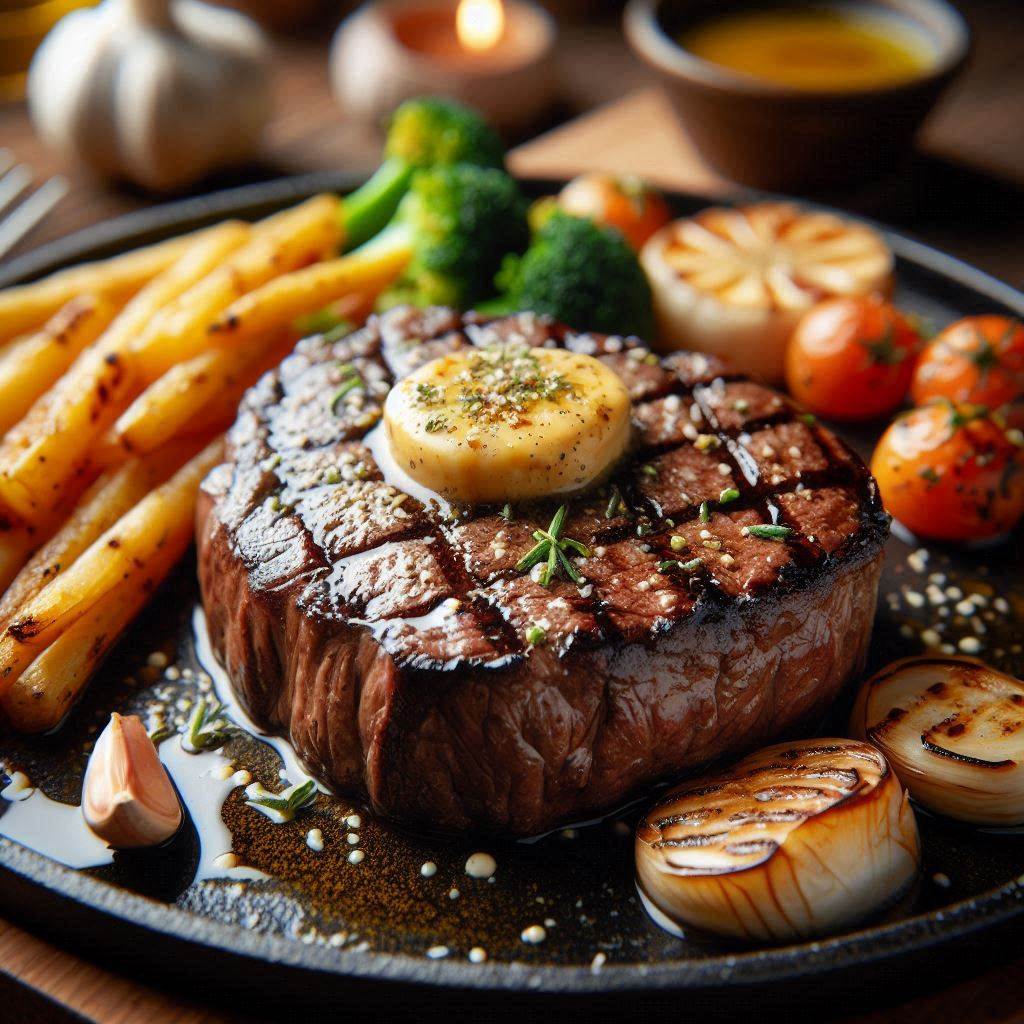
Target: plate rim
{"type": "Point", "coordinates": [772, 965]}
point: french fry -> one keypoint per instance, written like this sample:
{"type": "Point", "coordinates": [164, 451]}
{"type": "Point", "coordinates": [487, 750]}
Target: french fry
{"type": "Point", "coordinates": [159, 525]}
{"type": "Point", "coordinates": [284, 299]}
{"type": "Point", "coordinates": [48, 688]}
{"type": "Point", "coordinates": [31, 365]}
{"type": "Point", "coordinates": [279, 245]}
{"type": "Point", "coordinates": [109, 498]}
{"type": "Point", "coordinates": [201, 394]}
{"type": "Point", "coordinates": [29, 306]}
{"type": "Point", "coordinates": [44, 453]}
{"type": "Point", "coordinates": [16, 546]}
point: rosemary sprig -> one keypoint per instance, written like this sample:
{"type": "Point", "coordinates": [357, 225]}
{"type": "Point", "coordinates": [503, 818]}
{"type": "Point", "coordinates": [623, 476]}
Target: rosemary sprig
{"type": "Point", "coordinates": [282, 806]}
{"type": "Point", "coordinates": [553, 548]}
{"type": "Point", "coordinates": [209, 727]}
{"type": "Point", "coordinates": [164, 732]}
{"type": "Point", "coordinates": [615, 504]}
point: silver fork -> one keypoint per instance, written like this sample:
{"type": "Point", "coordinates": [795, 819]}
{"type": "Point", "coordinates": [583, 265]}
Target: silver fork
{"type": "Point", "coordinates": [15, 180]}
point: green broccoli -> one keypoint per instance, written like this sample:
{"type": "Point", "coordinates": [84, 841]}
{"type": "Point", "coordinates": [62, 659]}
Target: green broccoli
{"type": "Point", "coordinates": [580, 273]}
{"type": "Point", "coordinates": [455, 225]}
{"type": "Point", "coordinates": [423, 133]}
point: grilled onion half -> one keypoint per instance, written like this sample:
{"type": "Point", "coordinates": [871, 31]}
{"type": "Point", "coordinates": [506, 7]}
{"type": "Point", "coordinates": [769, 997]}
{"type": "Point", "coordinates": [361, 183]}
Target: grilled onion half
{"type": "Point", "coordinates": [953, 731]}
{"type": "Point", "coordinates": [797, 840]}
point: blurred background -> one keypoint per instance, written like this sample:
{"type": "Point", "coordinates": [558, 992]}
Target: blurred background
{"type": "Point", "coordinates": [961, 188]}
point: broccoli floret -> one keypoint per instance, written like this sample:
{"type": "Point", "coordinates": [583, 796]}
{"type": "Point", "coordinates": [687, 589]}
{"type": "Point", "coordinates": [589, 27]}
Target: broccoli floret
{"type": "Point", "coordinates": [423, 133]}
{"type": "Point", "coordinates": [580, 273]}
{"type": "Point", "coordinates": [456, 224]}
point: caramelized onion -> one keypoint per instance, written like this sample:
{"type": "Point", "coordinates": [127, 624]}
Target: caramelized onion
{"type": "Point", "coordinates": [796, 840]}
{"type": "Point", "coordinates": [953, 731]}
{"type": "Point", "coordinates": [127, 797]}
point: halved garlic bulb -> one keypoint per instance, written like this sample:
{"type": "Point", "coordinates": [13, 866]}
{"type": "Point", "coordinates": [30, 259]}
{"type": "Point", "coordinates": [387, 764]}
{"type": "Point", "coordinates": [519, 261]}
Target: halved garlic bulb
{"type": "Point", "coordinates": [796, 840]}
{"type": "Point", "coordinates": [734, 282]}
{"type": "Point", "coordinates": [953, 731]}
{"type": "Point", "coordinates": [127, 797]}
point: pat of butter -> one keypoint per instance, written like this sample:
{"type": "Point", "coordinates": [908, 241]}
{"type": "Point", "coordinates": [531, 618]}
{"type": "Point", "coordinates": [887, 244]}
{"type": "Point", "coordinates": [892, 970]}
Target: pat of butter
{"type": "Point", "coordinates": [508, 423]}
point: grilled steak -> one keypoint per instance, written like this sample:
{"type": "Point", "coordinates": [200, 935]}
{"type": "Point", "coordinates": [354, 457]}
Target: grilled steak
{"type": "Point", "coordinates": [387, 637]}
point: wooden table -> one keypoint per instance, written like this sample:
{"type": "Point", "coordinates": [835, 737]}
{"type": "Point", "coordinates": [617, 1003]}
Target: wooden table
{"type": "Point", "coordinates": [966, 194]}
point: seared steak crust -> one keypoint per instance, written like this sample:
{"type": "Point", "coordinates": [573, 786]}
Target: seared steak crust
{"type": "Point", "coordinates": [387, 636]}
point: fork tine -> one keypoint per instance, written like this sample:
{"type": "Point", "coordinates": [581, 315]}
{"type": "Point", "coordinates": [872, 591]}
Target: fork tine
{"type": "Point", "coordinates": [13, 184]}
{"type": "Point", "coordinates": [31, 212]}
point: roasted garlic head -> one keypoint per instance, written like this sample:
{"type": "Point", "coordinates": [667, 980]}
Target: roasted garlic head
{"type": "Point", "coordinates": [953, 731]}
{"type": "Point", "coordinates": [127, 797]}
{"type": "Point", "coordinates": [799, 839]}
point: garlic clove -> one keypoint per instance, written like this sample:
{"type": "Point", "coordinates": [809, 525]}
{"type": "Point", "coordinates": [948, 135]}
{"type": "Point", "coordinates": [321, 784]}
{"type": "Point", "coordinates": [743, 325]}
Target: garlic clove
{"type": "Point", "coordinates": [127, 797]}
{"type": "Point", "coordinates": [953, 731]}
{"type": "Point", "coordinates": [795, 840]}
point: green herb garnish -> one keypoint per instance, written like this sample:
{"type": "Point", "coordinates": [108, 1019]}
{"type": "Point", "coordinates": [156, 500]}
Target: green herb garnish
{"type": "Point", "coordinates": [690, 566]}
{"type": "Point", "coordinates": [616, 505]}
{"type": "Point", "coordinates": [535, 635]}
{"type": "Point", "coordinates": [705, 512]}
{"type": "Point", "coordinates": [770, 532]}
{"type": "Point", "coordinates": [209, 726]}
{"type": "Point", "coordinates": [349, 383]}
{"type": "Point", "coordinates": [287, 803]}
{"type": "Point", "coordinates": [729, 494]}
{"type": "Point", "coordinates": [506, 512]}
{"type": "Point", "coordinates": [678, 543]}
{"type": "Point", "coordinates": [552, 547]}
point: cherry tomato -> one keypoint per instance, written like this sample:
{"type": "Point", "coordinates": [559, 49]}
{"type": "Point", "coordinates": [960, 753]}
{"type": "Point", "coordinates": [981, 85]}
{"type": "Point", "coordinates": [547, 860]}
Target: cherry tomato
{"type": "Point", "coordinates": [980, 360]}
{"type": "Point", "coordinates": [951, 472]}
{"type": "Point", "coordinates": [626, 203]}
{"type": "Point", "coordinates": [851, 358]}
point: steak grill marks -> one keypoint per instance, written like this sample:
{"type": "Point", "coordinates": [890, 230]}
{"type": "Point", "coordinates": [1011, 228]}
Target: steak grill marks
{"type": "Point", "coordinates": [312, 516]}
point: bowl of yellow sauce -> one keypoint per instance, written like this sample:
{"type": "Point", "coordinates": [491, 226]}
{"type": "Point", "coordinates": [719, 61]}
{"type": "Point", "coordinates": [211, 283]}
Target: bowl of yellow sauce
{"type": "Point", "coordinates": [800, 95]}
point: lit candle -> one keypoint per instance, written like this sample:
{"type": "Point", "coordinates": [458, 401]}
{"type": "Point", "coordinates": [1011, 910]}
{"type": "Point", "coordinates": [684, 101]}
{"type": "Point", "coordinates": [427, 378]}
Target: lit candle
{"type": "Point", "coordinates": [496, 55]}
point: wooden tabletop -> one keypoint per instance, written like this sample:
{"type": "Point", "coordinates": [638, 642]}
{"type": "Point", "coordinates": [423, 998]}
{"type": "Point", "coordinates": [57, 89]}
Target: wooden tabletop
{"type": "Point", "coordinates": [964, 193]}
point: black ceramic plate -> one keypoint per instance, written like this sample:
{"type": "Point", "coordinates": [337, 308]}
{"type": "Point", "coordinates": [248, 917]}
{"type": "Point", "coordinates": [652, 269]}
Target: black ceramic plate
{"type": "Point", "coordinates": [321, 921]}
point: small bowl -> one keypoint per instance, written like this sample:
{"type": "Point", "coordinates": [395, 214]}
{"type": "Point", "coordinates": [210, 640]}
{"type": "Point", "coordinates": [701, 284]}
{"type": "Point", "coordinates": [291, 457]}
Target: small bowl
{"type": "Point", "coordinates": [777, 137]}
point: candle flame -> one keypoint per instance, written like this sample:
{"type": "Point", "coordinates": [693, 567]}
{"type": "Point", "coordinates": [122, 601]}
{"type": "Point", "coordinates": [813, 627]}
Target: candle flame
{"type": "Point", "coordinates": [480, 23]}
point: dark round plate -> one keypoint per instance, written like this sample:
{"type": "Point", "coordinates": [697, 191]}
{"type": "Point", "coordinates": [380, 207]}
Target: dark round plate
{"type": "Point", "coordinates": [323, 925]}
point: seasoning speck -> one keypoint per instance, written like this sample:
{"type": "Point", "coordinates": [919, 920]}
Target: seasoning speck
{"type": "Point", "coordinates": [428, 869]}
{"type": "Point", "coordinates": [477, 955]}
{"type": "Point", "coordinates": [356, 857]}
{"type": "Point", "coordinates": [437, 952]}
{"type": "Point", "coordinates": [534, 935]}
{"type": "Point", "coordinates": [315, 840]}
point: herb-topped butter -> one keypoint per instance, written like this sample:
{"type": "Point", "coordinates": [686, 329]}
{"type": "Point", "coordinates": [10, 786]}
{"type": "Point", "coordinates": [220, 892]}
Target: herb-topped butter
{"type": "Point", "coordinates": [508, 423]}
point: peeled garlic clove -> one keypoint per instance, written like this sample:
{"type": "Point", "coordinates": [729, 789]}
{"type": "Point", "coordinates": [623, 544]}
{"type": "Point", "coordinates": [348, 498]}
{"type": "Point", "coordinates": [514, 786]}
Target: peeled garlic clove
{"type": "Point", "coordinates": [953, 731]}
{"type": "Point", "coordinates": [127, 797]}
{"type": "Point", "coordinates": [796, 840]}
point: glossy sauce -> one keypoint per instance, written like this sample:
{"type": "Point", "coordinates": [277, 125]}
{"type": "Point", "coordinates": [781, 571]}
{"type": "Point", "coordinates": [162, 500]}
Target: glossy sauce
{"type": "Point", "coordinates": [831, 48]}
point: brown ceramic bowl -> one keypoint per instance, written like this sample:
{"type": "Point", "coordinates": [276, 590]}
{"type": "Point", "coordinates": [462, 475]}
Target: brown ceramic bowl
{"type": "Point", "coordinates": [789, 139]}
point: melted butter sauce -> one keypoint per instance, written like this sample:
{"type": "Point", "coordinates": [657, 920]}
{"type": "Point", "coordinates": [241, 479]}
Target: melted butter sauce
{"type": "Point", "coordinates": [394, 475]}
{"type": "Point", "coordinates": [833, 47]}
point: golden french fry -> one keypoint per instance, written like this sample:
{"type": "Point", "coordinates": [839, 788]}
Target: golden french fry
{"type": "Point", "coordinates": [282, 300]}
{"type": "Point", "coordinates": [109, 498]}
{"type": "Point", "coordinates": [162, 520]}
{"type": "Point", "coordinates": [27, 307]}
{"type": "Point", "coordinates": [31, 365]}
{"type": "Point", "coordinates": [279, 245]}
{"type": "Point", "coordinates": [201, 394]}
{"type": "Point", "coordinates": [48, 688]}
{"type": "Point", "coordinates": [43, 454]}
{"type": "Point", "coordinates": [16, 546]}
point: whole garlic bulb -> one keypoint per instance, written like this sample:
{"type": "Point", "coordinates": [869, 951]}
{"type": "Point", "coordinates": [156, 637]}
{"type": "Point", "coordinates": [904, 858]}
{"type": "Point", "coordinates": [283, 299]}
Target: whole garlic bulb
{"type": "Point", "coordinates": [156, 92]}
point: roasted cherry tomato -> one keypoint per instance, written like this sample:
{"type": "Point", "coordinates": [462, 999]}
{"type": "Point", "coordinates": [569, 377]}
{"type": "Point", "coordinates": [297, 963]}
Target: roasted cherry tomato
{"type": "Point", "coordinates": [626, 203]}
{"type": "Point", "coordinates": [952, 472]}
{"type": "Point", "coordinates": [980, 360]}
{"type": "Point", "coordinates": [852, 358]}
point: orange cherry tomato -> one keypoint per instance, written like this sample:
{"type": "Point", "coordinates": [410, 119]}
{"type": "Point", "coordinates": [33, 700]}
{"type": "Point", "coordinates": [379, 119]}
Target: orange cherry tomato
{"type": "Point", "coordinates": [980, 360]}
{"type": "Point", "coordinates": [851, 358]}
{"type": "Point", "coordinates": [625, 202]}
{"type": "Point", "coordinates": [951, 472]}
